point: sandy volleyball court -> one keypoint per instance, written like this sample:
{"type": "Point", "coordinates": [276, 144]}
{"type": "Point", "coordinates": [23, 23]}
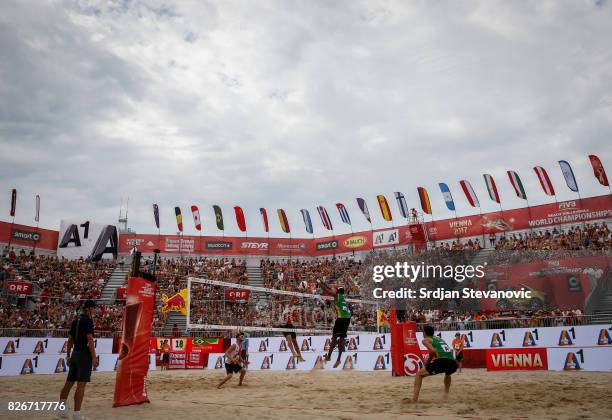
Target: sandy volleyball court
{"type": "Point", "coordinates": [339, 395]}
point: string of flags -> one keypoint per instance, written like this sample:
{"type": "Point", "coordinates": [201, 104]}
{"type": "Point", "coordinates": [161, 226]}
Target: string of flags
{"type": "Point", "coordinates": [385, 211]}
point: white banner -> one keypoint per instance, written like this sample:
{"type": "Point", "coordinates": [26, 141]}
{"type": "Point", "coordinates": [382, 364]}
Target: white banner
{"type": "Point", "coordinates": [580, 358]}
{"type": "Point", "coordinates": [386, 237]}
{"type": "Point", "coordinates": [84, 238]}
{"type": "Point", "coordinates": [28, 364]}
{"type": "Point", "coordinates": [44, 345]}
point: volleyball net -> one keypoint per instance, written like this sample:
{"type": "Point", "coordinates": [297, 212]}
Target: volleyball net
{"type": "Point", "coordinates": [217, 306]}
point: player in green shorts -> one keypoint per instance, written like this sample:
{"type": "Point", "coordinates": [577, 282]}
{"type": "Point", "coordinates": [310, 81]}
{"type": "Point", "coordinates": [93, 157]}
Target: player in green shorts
{"type": "Point", "coordinates": [342, 323]}
{"type": "Point", "coordinates": [440, 361]}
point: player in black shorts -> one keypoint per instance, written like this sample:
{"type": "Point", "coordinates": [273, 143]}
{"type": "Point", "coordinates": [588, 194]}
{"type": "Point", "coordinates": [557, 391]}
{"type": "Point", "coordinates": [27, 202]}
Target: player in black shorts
{"type": "Point", "coordinates": [289, 315]}
{"type": "Point", "coordinates": [233, 361]}
{"type": "Point", "coordinates": [342, 323]}
{"type": "Point", "coordinates": [81, 360]}
{"type": "Point", "coordinates": [440, 361]}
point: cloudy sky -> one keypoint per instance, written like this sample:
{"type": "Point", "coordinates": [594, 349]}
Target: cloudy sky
{"type": "Point", "coordinates": [294, 104]}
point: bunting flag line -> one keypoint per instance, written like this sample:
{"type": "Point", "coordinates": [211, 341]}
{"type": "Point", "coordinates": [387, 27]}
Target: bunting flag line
{"type": "Point", "coordinates": [515, 180]}
{"type": "Point", "coordinates": [327, 224]}
{"type": "Point", "coordinates": [284, 222]}
{"type": "Point", "coordinates": [13, 202]}
{"type": "Point", "coordinates": [196, 217]}
{"type": "Point", "coordinates": [401, 203]}
{"type": "Point", "coordinates": [544, 180]}
{"type": "Point", "coordinates": [599, 171]}
{"type": "Point", "coordinates": [218, 217]}
{"type": "Point", "coordinates": [568, 174]}
{"type": "Point", "coordinates": [240, 221]}
{"type": "Point", "coordinates": [179, 218]}
{"type": "Point", "coordinates": [384, 208]}
{"type": "Point", "coordinates": [307, 220]}
{"type": "Point", "coordinates": [264, 217]}
{"type": "Point", "coordinates": [469, 193]}
{"type": "Point", "coordinates": [363, 206]}
{"type": "Point", "coordinates": [424, 197]}
{"type": "Point", "coordinates": [492, 188]}
{"type": "Point", "coordinates": [156, 214]}
{"type": "Point", "coordinates": [448, 197]}
{"type": "Point", "coordinates": [37, 217]}
{"type": "Point", "coordinates": [344, 215]}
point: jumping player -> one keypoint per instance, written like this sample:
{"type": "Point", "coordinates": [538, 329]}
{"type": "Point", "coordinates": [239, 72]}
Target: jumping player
{"type": "Point", "coordinates": [234, 362]}
{"type": "Point", "coordinates": [458, 349]}
{"type": "Point", "coordinates": [343, 320]}
{"type": "Point", "coordinates": [440, 361]}
{"type": "Point", "coordinates": [289, 315]}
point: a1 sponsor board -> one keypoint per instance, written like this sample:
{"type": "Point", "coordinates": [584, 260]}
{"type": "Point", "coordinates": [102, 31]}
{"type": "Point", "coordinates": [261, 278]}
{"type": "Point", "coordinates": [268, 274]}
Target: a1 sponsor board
{"type": "Point", "coordinates": [386, 237]}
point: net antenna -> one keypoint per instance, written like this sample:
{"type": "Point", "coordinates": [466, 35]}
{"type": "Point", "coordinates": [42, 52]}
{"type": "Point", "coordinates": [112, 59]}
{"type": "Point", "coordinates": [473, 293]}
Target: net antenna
{"type": "Point", "coordinates": [270, 292]}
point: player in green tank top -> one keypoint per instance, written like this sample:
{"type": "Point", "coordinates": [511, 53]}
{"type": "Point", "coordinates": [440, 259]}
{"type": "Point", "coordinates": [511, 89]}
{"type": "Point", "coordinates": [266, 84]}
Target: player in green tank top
{"type": "Point", "coordinates": [440, 361]}
{"type": "Point", "coordinates": [343, 320]}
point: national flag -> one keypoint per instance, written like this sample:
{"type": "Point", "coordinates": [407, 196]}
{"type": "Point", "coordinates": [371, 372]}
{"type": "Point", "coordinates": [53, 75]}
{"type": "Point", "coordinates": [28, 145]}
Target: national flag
{"type": "Point", "coordinates": [37, 216]}
{"type": "Point", "coordinates": [384, 208]}
{"type": "Point", "coordinates": [307, 220]}
{"type": "Point", "coordinates": [179, 218]}
{"type": "Point", "coordinates": [344, 215]}
{"type": "Point", "coordinates": [218, 217]}
{"type": "Point", "coordinates": [424, 197]}
{"type": "Point", "coordinates": [568, 174]}
{"type": "Point", "coordinates": [156, 214]}
{"type": "Point", "coordinates": [448, 197]}
{"type": "Point", "coordinates": [401, 203]}
{"type": "Point", "coordinates": [240, 218]}
{"type": "Point", "coordinates": [327, 223]}
{"type": "Point", "coordinates": [264, 217]}
{"type": "Point", "coordinates": [196, 217]}
{"type": "Point", "coordinates": [544, 180]}
{"type": "Point", "coordinates": [515, 180]}
{"type": "Point", "coordinates": [491, 188]}
{"type": "Point", "coordinates": [469, 193]}
{"type": "Point", "coordinates": [284, 222]}
{"type": "Point", "coordinates": [13, 202]}
{"type": "Point", "coordinates": [363, 206]}
{"type": "Point", "coordinates": [599, 171]}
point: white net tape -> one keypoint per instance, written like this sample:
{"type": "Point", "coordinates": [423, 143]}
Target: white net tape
{"type": "Point", "coordinates": [265, 305]}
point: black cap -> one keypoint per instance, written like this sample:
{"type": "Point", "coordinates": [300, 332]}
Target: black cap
{"type": "Point", "coordinates": [89, 304]}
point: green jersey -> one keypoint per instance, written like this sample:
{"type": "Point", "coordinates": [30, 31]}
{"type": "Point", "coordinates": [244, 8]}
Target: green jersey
{"type": "Point", "coordinates": [444, 352]}
{"type": "Point", "coordinates": [341, 306]}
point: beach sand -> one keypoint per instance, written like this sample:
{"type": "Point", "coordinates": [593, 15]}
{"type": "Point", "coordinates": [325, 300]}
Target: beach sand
{"type": "Point", "coordinates": [475, 393]}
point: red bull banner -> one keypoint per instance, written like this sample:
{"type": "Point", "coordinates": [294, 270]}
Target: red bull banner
{"type": "Point", "coordinates": [517, 359]}
{"type": "Point", "coordinates": [175, 303]}
{"type": "Point", "coordinates": [133, 365]}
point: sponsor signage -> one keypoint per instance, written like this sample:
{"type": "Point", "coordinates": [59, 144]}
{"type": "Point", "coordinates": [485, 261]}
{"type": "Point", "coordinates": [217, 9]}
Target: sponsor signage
{"type": "Point", "coordinates": [237, 294]}
{"type": "Point", "coordinates": [218, 245]}
{"type": "Point", "coordinates": [25, 235]}
{"type": "Point", "coordinates": [180, 245]}
{"type": "Point", "coordinates": [18, 287]}
{"type": "Point", "coordinates": [355, 241]}
{"type": "Point", "coordinates": [324, 246]}
{"type": "Point", "coordinates": [517, 359]}
{"type": "Point", "coordinates": [254, 245]}
{"type": "Point", "coordinates": [386, 237]}
{"type": "Point", "coordinates": [300, 245]}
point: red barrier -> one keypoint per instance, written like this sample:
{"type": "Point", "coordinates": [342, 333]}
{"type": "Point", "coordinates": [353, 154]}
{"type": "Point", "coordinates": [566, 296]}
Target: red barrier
{"type": "Point", "coordinates": [406, 358]}
{"type": "Point", "coordinates": [133, 364]}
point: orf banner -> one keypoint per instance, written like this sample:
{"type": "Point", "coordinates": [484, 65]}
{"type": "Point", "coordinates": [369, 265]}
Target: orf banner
{"type": "Point", "coordinates": [134, 353]}
{"type": "Point", "coordinates": [237, 294]}
{"type": "Point", "coordinates": [517, 359]}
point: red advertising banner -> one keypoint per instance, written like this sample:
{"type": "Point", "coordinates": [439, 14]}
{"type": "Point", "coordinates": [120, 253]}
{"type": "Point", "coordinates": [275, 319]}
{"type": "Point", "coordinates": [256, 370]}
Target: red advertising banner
{"type": "Point", "coordinates": [133, 363]}
{"type": "Point", "coordinates": [18, 287]}
{"type": "Point", "coordinates": [237, 294]}
{"type": "Point", "coordinates": [28, 236]}
{"type": "Point", "coordinates": [517, 359]}
{"type": "Point", "coordinates": [406, 356]}
{"type": "Point", "coordinates": [121, 293]}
